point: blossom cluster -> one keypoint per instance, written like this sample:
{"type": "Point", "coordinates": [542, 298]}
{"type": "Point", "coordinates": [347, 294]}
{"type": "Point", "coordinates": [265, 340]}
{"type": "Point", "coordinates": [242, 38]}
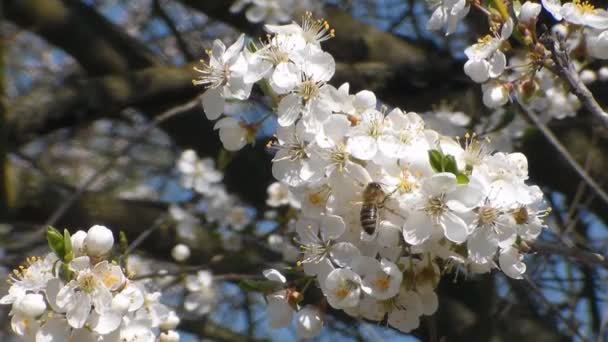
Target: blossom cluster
{"type": "Point", "coordinates": [75, 293]}
{"type": "Point", "coordinates": [211, 200]}
{"type": "Point", "coordinates": [385, 203]}
{"type": "Point", "coordinates": [529, 74]}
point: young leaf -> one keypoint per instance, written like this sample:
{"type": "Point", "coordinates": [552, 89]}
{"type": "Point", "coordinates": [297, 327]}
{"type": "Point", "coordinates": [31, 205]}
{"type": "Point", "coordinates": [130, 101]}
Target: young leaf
{"type": "Point", "coordinates": [258, 285]}
{"type": "Point", "coordinates": [67, 245]}
{"type": "Point", "coordinates": [461, 178]}
{"type": "Point", "coordinates": [436, 160]}
{"type": "Point", "coordinates": [449, 164]}
{"type": "Point", "coordinates": [55, 240]}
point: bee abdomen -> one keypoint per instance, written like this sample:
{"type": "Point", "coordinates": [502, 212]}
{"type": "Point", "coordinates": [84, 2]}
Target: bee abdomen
{"type": "Point", "coordinates": [369, 217]}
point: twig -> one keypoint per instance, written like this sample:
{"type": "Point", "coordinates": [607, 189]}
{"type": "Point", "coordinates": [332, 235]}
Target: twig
{"type": "Point", "coordinates": [588, 258]}
{"type": "Point", "coordinates": [564, 152]}
{"type": "Point", "coordinates": [566, 70]}
{"type": "Point", "coordinates": [144, 235]}
{"type": "Point", "coordinates": [121, 153]}
{"type": "Point", "coordinates": [181, 43]}
{"type": "Point", "coordinates": [572, 326]}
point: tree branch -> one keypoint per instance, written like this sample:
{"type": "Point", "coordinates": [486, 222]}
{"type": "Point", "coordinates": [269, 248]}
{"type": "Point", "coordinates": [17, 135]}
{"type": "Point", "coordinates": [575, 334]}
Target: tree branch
{"type": "Point", "coordinates": [584, 257]}
{"type": "Point", "coordinates": [568, 73]}
{"type": "Point", "coordinates": [97, 44]}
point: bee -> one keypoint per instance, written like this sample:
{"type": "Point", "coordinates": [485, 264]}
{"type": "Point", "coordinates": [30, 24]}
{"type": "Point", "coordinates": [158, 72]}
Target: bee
{"type": "Point", "coordinates": [374, 198]}
{"type": "Point", "coordinates": [373, 201]}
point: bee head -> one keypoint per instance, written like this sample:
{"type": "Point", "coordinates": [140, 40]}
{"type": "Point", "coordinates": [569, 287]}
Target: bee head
{"type": "Point", "coordinates": [373, 192]}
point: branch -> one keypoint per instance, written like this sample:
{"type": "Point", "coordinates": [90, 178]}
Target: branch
{"type": "Point", "coordinates": [590, 259]}
{"type": "Point", "coordinates": [98, 45]}
{"type": "Point", "coordinates": [595, 187]}
{"type": "Point", "coordinates": [566, 70]}
{"type": "Point", "coordinates": [181, 43]}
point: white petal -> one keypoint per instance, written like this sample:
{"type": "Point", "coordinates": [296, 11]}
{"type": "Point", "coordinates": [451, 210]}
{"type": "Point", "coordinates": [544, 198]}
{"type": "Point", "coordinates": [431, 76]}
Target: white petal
{"type": "Point", "coordinates": [54, 330]}
{"type": "Point", "coordinates": [498, 63]}
{"type": "Point", "coordinates": [213, 103]}
{"type": "Point", "coordinates": [79, 310]}
{"type": "Point", "coordinates": [279, 312]}
{"type": "Point", "coordinates": [274, 275]}
{"type": "Point", "coordinates": [332, 227]}
{"type": "Point", "coordinates": [289, 110]}
{"type": "Point", "coordinates": [343, 253]}
{"type": "Point", "coordinates": [454, 227]}
{"type": "Point", "coordinates": [511, 264]}
{"type": "Point", "coordinates": [284, 78]}
{"type": "Point", "coordinates": [418, 228]}
{"type": "Point", "coordinates": [106, 323]}
{"type": "Point", "coordinates": [362, 147]}
{"type": "Point", "coordinates": [477, 70]}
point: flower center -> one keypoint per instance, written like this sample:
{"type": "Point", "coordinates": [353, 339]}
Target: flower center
{"type": "Point", "coordinates": [339, 156]}
{"type": "Point", "coordinates": [584, 6]}
{"type": "Point", "coordinates": [382, 281]}
{"type": "Point", "coordinates": [87, 283]}
{"type": "Point", "coordinates": [212, 77]}
{"type": "Point", "coordinates": [308, 90]}
{"type": "Point", "coordinates": [316, 30]}
{"type": "Point", "coordinates": [487, 216]}
{"type": "Point", "coordinates": [344, 289]}
{"type": "Point", "coordinates": [376, 128]}
{"type": "Point", "coordinates": [520, 215]}
{"type": "Point", "coordinates": [435, 206]}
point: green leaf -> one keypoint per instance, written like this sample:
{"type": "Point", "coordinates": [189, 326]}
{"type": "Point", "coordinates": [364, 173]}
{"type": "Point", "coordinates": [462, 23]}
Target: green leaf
{"type": "Point", "coordinates": [436, 160]}
{"type": "Point", "coordinates": [258, 285]}
{"type": "Point", "coordinates": [55, 240]}
{"type": "Point", "coordinates": [449, 164]}
{"type": "Point", "coordinates": [461, 178]}
{"type": "Point", "coordinates": [67, 245]}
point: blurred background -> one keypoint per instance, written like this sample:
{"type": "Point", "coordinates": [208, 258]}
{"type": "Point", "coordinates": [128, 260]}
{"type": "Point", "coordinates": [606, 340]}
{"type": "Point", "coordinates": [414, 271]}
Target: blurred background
{"type": "Point", "coordinates": [83, 82]}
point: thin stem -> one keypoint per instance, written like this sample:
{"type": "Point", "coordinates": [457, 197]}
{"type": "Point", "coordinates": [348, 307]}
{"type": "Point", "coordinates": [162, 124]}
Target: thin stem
{"type": "Point", "coordinates": [566, 70]}
{"type": "Point", "coordinates": [595, 187]}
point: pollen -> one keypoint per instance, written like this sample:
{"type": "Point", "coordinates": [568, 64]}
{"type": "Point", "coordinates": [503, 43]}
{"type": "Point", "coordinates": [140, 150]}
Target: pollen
{"type": "Point", "coordinates": [520, 215]}
{"type": "Point", "coordinates": [382, 282]}
{"type": "Point", "coordinates": [110, 279]}
{"type": "Point", "coordinates": [487, 216]}
{"type": "Point", "coordinates": [435, 206]}
{"type": "Point", "coordinates": [87, 283]}
{"type": "Point", "coordinates": [584, 5]}
{"type": "Point", "coordinates": [342, 291]}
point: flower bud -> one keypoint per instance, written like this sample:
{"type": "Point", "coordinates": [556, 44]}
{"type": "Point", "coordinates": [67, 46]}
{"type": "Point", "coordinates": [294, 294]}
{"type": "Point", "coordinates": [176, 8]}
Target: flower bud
{"type": "Point", "coordinates": [309, 322]}
{"type": "Point", "coordinates": [602, 74]}
{"type": "Point", "coordinates": [527, 88]}
{"type": "Point", "coordinates": [78, 243]}
{"type": "Point", "coordinates": [32, 305]}
{"type": "Point", "coordinates": [180, 252]}
{"type": "Point", "coordinates": [99, 241]}
{"type": "Point", "coordinates": [495, 94]}
{"type": "Point", "coordinates": [588, 76]}
{"type": "Point", "coordinates": [169, 336]}
{"type": "Point", "coordinates": [529, 12]}
{"type": "Point", "coordinates": [170, 322]}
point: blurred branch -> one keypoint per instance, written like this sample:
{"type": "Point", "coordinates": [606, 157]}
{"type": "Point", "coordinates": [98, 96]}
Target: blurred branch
{"type": "Point", "coordinates": [567, 71]}
{"type": "Point", "coordinates": [587, 258]}
{"type": "Point", "coordinates": [181, 43]}
{"type": "Point", "coordinates": [207, 329]}
{"type": "Point", "coordinates": [4, 187]}
{"type": "Point", "coordinates": [121, 153]}
{"type": "Point", "coordinates": [98, 45]}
